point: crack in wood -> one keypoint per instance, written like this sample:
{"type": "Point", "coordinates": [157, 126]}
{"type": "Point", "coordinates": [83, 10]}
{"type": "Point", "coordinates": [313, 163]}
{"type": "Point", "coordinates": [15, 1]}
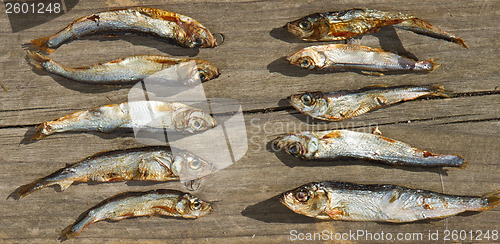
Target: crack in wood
{"type": "Point", "coordinates": [451, 95]}
{"type": "Point", "coordinates": [470, 121]}
{"type": "Point", "coordinates": [285, 108]}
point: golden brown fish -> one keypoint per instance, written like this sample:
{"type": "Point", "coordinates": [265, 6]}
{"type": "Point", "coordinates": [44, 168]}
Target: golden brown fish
{"type": "Point", "coordinates": [135, 204]}
{"type": "Point", "coordinates": [340, 105]}
{"type": "Point", "coordinates": [121, 71]}
{"type": "Point", "coordinates": [336, 144]}
{"type": "Point", "coordinates": [345, 24]}
{"type": "Point", "coordinates": [184, 30]}
{"type": "Point", "coordinates": [142, 164]}
{"type": "Point", "coordinates": [381, 203]}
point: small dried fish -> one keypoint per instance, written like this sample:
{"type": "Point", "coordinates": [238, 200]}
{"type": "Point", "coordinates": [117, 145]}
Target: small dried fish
{"type": "Point", "coordinates": [344, 56]}
{"type": "Point", "coordinates": [135, 204]}
{"type": "Point", "coordinates": [184, 30]}
{"type": "Point", "coordinates": [344, 143]}
{"type": "Point", "coordinates": [120, 71]}
{"type": "Point", "coordinates": [381, 203]}
{"type": "Point", "coordinates": [341, 25]}
{"type": "Point", "coordinates": [170, 116]}
{"type": "Point", "coordinates": [144, 164]}
{"type": "Point", "coordinates": [340, 105]}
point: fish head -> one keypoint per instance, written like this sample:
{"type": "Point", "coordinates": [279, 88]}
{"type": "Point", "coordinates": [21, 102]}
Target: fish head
{"type": "Point", "coordinates": [189, 166]}
{"type": "Point", "coordinates": [197, 121]}
{"type": "Point", "coordinates": [192, 207]}
{"type": "Point", "coordinates": [206, 70]}
{"type": "Point", "coordinates": [309, 200]}
{"type": "Point", "coordinates": [196, 35]}
{"type": "Point", "coordinates": [310, 28]}
{"type": "Point", "coordinates": [203, 38]}
{"type": "Point", "coordinates": [310, 103]}
{"type": "Point", "coordinates": [308, 58]}
{"type": "Point", "coordinates": [301, 145]}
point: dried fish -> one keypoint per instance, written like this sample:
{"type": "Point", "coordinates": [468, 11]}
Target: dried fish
{"type": "Point", "coordinates": [356, 57]}
{"type": "Point", "coordinates": [184, 30]}
{"type": "Point", "coordinates": [381, 203]}
{"type": "Point", "coordinates": [341, 25]}
{"type": "Point", "coordinates": [340, 105]}
{"type": "Point", "coordinates": [120, 71]}
{"type": "Point", "coordinates": [141, 164]}
{"type": "Point", "coordinates": [135, 204]}
{"type": "Point", "coordinates": [171, 116]}
{"type": "Point", "coordinates": [344, 143]}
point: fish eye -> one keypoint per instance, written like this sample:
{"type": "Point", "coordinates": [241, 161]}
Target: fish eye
{"type": "Point", "coordinates": [197, 124]}
{"type": "Point", "coordinates": [305, 63]}
{"type": "Point", "coordinates": [197, 42]}
{"type": "Point", "coordinates": [294, 149]}
{"type": "Point", "coordinates": [302, 195]}
{"type": "Point", "coordinates": [195, 164]}
{"type": "Point", "coordinates": [307, 99]}
{"type": "Point", "coordinates": [305, 25]}
{"type": "Point", "coordinates": [96, 113]}
{"type": "Point", "coordinates": [202, 74]}
{"type": "Point", "coordinates": [196, 205]}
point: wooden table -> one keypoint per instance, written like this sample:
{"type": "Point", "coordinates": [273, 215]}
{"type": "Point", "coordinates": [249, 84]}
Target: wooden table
{"type": "Point", "coordinates": [254, 73]}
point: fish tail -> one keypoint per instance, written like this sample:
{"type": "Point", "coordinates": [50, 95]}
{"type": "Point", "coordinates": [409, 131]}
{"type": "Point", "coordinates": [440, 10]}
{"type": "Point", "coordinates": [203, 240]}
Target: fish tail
{"type": "Point", "coordinates": [493, 199]}
{"type": "Point", "coordinates": [42, 131]}
{"type": "Point", "coordinates": [438, 90]}
{"type": "Point", "coordinates": [428, 65]}
{"type": "Point", "coordinates": [463, 165]}
{"type": "Point", "coordinates": [39, 44]}
{"type": "Point", "coordinates": [60, 177]}
{"type": "Point", "coordinates": [37, 59]}
{"type": "Point", "coordinates": [27, 189]}
{"type": "Point", "coordinates": [76, 228]}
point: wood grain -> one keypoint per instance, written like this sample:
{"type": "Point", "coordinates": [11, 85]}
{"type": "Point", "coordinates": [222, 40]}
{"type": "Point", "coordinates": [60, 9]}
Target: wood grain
{"type": "Point", "coordinates": [254, 73]}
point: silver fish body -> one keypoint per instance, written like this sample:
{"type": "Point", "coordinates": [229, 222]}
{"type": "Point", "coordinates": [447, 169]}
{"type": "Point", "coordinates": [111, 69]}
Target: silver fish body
{"type": "Point", "coordinates": [171, 116]}
{"type": "Point", "coordinates": [335, 106]}
{"type": "Point", "coordinates": [120, 71]}
{"type": "Point", "coordinates": [135, 204]}
{"type": "Point", "coordinates": [356, 57]}
{"type": "Point", "coordinates": [344, 143]}
{"type": "Point", "coordinates": [184, 30]}
{"type": "Point", "coordinates": [140, 164]}
{"type": "Point", "coordinates": [345, 24]}
{"type": "Point", "coordinates": [383, 203]}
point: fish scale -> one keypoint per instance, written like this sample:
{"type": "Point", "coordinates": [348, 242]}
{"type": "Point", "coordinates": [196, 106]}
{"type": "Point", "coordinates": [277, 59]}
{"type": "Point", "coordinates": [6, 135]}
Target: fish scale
{"type": "Point", "coordinates": [382, 203]}
{"type": "Point", "coordinates": [335, 144]}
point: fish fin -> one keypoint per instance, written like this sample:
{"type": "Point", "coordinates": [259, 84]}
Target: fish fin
{"type": "Point", "coordinates": [41, 131]}
{"type": "Point", "coordinates": [335, 213]}
{"type": "Point", "coordinates": [433, 65]}
{"type": "Point", "coordinates": [438, 90]}
{"type": "Point", "coordinates": [376, 131]}
{"type": "Point", "coordinates": [39, 44]}
{"type": "Point", "coordinates": [76, 228]}
{"type": "Point", "coordinates": [64, 184]}
{"type": "Point", "coordinates": [371, 73]}
{"type": "Point", "coordinates": [493, 199]}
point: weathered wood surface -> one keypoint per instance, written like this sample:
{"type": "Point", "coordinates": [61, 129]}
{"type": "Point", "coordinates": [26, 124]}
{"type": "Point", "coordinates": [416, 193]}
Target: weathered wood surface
{"type": "Point", "coordinates": [254, 73]}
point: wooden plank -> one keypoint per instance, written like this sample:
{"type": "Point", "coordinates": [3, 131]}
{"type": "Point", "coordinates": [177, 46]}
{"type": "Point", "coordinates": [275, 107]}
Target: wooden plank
{"type": "Point", "coordinates": [254, 73]}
